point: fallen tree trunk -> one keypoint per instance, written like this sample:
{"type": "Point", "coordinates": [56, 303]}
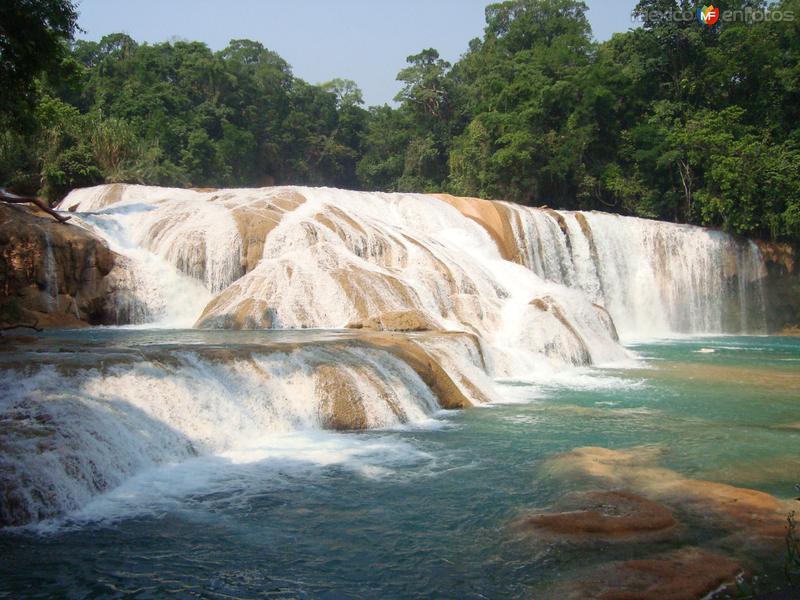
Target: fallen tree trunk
{"type": "Point", "coordinates": [7, 196]}
{"type": "Point", "coordinates": [34, 326]}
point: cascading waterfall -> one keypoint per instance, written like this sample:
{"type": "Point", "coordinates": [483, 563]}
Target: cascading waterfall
{"type": "Point", "coordinates": [51, 277]}
{"type": "Point", "coordinates": [654, 278]}
{"type": "Point", "coordinates": [316, 257]}
{"type": "Point", "coordinates": [69, 433]}
{"type": "Point", "coordinates": [296, 257]}
{"type": "Point", "coordinates": [338, 257]}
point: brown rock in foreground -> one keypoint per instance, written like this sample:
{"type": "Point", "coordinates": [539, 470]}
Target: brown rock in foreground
{"type": "Point", "coordinates": [687, 574]}
{"type": "Point", "coordinates": [58, 275]}
{"type": "Point", "coordinates": [743, 510]}
{"type": "Point", "coordinates": [615, 515]}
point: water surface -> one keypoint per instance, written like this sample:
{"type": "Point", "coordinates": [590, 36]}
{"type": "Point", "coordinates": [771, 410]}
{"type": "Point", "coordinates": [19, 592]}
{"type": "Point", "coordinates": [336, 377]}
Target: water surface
{"type": "Point", "coordinates": [423, 511]}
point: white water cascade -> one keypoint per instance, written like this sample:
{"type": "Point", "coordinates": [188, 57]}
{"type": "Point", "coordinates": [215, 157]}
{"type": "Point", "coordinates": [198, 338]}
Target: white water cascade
{"type": "Point", "coordinates": [655, 278]}
{"type": "Point", "coordinates": [330, 257]}
{"type": "Point", "coordinates": [71, 431]}
{"type": "Point", "coordinates": [317, 258]}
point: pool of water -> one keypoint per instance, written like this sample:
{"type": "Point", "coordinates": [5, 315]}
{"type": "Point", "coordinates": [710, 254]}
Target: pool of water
{"type": "Point", "coordinates": [422, 511]}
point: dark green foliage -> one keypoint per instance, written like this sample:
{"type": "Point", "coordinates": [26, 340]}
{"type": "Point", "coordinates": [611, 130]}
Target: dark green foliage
{"type": "Point", "coordinates": [10, 311]}
{"type": "Point", "coordinates": [32, 40]}
{"type": "Point", "coordinates": [180, 114]}
{"type": "Point", "coordinates": [671, 120]}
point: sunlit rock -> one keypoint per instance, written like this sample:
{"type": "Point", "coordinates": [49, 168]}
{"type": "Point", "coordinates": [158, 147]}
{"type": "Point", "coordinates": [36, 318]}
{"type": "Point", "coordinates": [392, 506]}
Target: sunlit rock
{"type": "Point", "coordinates": [399, 320]}
{"type": "Point", "coordinates": [747, 511]}
{"type": "Point", "coordinates": [60, 275]}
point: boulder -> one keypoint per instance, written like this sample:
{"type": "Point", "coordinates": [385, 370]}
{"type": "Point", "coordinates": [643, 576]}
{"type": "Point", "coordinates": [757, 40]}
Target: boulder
{"type": "Point", "coordinates": [398, 320]}
{"type": "Point", "coordinates": [549, 305]}
{"type": "Point", "coordinates": [341, 407]}
{"type": "Point", "coordinates": [58, 275]}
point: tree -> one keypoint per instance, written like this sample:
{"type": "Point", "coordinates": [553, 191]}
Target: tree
{"type": "Point", "coordinates": [32, 40]}
{"type": "Point", "coordinates": [424, 83]}
{"type": "Point", "coordinates": [347, 92]}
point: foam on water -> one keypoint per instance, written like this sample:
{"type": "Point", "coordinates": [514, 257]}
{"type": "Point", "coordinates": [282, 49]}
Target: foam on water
{"type": "Point", "coordinates": [69, 434]}
{"type": "Point", "coordinates": [261, 466]}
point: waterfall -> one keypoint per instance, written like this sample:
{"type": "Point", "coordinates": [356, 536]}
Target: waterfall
{"type": "Point", "coordinates": [297, 257]}
{"type": "Point", "coordinates": [654, 278]}
{"type": "Point", "coordinates": [50, 274]}
{"type": "Point", "coordinates": [71, 431]}
{"type": "Point", "coordinates": [490, 290]}
{"type": "Point", "coordinates": [316, 257]}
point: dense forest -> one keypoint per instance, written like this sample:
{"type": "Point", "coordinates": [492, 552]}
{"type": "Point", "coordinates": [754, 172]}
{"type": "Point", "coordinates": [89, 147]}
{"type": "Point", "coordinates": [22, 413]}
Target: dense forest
{"type": "Point", "coordinates": [673, 119]}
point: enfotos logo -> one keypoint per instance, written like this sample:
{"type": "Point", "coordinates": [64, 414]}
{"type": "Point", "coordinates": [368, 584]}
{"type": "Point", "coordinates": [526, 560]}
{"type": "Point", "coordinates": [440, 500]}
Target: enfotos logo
{"type": "Point", "coordinates": [708, 15]}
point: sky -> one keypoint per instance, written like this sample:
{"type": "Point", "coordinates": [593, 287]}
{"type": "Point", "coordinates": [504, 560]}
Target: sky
{"type": "Point", "coordinates": [363, 40]}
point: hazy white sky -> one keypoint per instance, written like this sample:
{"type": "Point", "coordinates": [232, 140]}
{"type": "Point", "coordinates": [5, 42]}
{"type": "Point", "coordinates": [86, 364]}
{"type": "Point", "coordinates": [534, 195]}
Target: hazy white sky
{"type": "Point", "coordinates": [363, 40]}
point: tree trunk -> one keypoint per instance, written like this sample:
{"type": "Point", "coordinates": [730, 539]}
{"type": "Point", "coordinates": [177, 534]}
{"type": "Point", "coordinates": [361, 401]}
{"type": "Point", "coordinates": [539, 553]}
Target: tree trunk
{"type": "Point", "coordinates": [7, 196]}
{"type": "Point", "coordinates": [34, 326]}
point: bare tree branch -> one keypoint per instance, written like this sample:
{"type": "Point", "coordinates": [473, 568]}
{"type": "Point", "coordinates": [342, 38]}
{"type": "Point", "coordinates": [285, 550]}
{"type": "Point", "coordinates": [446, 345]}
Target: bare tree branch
{"type": "Point", "coordinates": [7, 196]}
{"type": "Point", "coordinates": [34, 326]}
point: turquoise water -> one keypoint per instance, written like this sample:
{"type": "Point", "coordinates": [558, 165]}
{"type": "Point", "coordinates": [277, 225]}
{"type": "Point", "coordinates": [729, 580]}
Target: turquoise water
{"type": "Point", "coordinates": [427, 511]}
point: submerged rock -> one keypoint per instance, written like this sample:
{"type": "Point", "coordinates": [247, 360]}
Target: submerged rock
{"type": "Point", "coordinates": [601, 515]}
{"type": "Point", "coordinates": [686, 574]}
{"type": "Point", "coordinates": [752, 513]}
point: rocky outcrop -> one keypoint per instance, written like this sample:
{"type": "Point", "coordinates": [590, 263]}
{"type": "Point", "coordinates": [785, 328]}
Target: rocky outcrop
{"type": "Point", "coordinates": [396, 320]}
{"type": "Point", "coordinates": [58, 275]}
{"type": "Point", "coordinates": [256, 219]}
{"type": "Point", "coordinates": [453, 388]}
{"type": "Point", "coordinates": [495, 217]}
{"type": "Point", "coordinates": [341, 406]}
{"type": "Point", "coordinates": [782, 286]}
{"type": "Point", "coordinates": [548, 305]}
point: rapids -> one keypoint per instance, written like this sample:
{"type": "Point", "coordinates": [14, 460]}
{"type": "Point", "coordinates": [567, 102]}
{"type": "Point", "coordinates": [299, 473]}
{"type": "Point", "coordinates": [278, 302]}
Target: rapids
{"type": "Point", "coordinates": [501, 291]}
